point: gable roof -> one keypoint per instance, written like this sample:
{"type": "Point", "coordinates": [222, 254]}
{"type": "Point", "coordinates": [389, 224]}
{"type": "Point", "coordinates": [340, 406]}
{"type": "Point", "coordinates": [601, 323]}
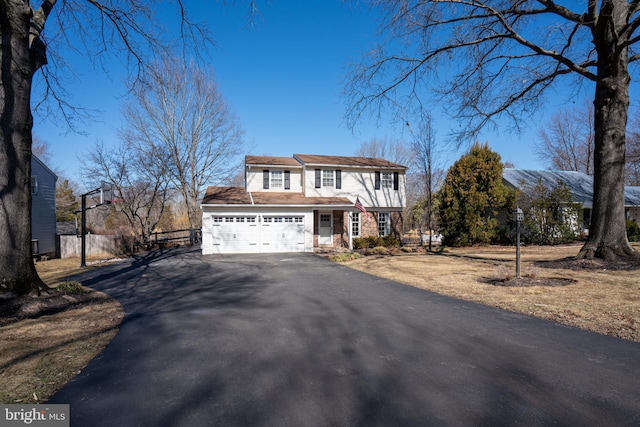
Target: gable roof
{"type": "Point", "coordinates": [580, 184]}
{"type": "Point", "coordinates": [300, 160]}
{"type": "Point", "coordinates": [632, 196]}
{"type": "Point", "coordinates": [239, 196]}
{"type": "Point", "coordinates": [45, 167]}
{"type": "Point", "coordinates": [318, 160]}
{"type": "Point", "coordinates": [271, 161]}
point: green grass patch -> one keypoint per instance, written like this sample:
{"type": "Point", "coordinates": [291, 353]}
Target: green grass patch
{"type": "Point", "coordinates": [71, 288]}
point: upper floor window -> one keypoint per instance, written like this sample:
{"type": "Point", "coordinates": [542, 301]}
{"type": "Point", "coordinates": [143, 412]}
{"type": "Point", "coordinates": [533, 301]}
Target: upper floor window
{"type": "Point", "coordinates": [34, 185]}
{"type": "Point", "coordinates": [276, 179]}
{"type": "Point", "coordinates": [387, 180]}
{"type": "Point", "coordinates": [328, 178]}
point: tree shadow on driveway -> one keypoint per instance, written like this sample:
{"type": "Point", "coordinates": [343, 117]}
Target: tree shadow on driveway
{"type": "Point", "coordinates": [294, 339]}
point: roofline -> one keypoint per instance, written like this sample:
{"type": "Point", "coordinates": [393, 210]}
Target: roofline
{"type": "Point", "coordinates": [378, 167]}
{"type": "Point", "coordinates": [271, 165]}
{"type": "Point", "coordinates": [33, 156]}
{"type": "Point", "coordinates": [236, 205]}
{"type": "Point", "coordinates": [295, 156]}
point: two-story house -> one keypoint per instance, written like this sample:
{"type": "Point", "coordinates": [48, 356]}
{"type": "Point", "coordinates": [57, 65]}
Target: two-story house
{"type": "Point", "coordinates": [43, 209]}
{"type": "Point", "coordinates": [299, 203]}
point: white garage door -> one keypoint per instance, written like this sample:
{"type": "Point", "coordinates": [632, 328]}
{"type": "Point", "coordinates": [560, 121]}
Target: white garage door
{"type": "Point", "coordinates": [249, 234]}
{"type": "Point", "coordinates": [282, 234]}
{"type": "Point", "coordinates": [234, 234]}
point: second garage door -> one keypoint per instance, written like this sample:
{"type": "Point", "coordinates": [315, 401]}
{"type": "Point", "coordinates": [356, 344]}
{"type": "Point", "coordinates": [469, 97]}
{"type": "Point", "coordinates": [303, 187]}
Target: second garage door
{"type": "Point", "coordinates": [282, 234]}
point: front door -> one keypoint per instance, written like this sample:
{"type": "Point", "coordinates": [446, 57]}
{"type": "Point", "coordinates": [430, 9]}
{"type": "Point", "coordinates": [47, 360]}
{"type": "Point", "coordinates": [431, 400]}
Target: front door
{"type": "Point", "coordinates": [325, 228]}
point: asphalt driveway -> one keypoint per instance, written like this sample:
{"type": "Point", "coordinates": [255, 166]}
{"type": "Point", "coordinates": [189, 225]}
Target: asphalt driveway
{"type": "Point", "coordinates": [295, 340]}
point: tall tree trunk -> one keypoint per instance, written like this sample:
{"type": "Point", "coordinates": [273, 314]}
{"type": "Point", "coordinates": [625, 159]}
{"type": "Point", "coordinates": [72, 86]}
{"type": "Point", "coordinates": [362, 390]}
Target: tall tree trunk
{"type": "Point", "coordinates": [607, 233]}
{"type": "Point", "coordinates": [17, 65]}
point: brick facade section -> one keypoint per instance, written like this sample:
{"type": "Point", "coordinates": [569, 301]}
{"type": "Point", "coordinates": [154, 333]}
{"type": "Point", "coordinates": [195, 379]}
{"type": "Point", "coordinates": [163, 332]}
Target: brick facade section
{"type": "Point", "coordinates": [368, 227]}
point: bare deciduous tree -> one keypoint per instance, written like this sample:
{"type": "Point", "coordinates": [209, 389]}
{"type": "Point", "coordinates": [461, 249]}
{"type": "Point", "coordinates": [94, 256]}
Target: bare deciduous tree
{"type": "Point", "coordinates": [426, 156]}
{"type": "Point", "coordinates": [103, 30]}
{"type": "Point", "coordinates": [496, 60]}
{"type": "Point", "coordinates": [140, 181]}
{"type": "Point", "coordinates": [393, 150]}
{"type": "Point", "coordinates": [566, 142]}
{"type": "Point", "coordinates": [40, 148]}
{"type": "Point", "coordinates": [181, 115]}
{"type": "Point", "coordinates": [632, 176]}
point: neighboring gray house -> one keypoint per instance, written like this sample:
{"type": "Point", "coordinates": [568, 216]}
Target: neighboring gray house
{"type": "Point", "coordinates": [580, 185]}
{"type": "Point", "coordinates": [43, 209]}
{"type": "Point", "coordinates": [632, 203]}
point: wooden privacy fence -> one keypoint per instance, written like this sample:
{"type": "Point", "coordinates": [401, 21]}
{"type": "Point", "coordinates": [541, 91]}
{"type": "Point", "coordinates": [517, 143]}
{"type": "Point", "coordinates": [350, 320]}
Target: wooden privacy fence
{"type": "Point", "coordinates": [105, 246]}
{"type": "Point", "coordinates": [97, 246]}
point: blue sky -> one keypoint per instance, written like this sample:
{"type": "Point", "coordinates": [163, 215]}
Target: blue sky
{"type": "Point", "coordinates": [283, 78]}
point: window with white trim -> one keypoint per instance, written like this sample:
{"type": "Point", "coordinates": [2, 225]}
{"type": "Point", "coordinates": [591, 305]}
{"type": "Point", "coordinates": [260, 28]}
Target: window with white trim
{"type": "Point", "coordinates": [383, 224]}
{"type": "Point", "coordinates": [327, 178]}
{"type": "Point", "coordinates": [355, 224]}
{"type": "Point", "coordinates": [276, 178]}
{"type": "Point", "coordinates": [387, 180]}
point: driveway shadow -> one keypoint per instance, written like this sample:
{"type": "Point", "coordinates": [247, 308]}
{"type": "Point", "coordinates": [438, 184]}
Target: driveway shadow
{"type": "Point", "coordinates": [294, 339]}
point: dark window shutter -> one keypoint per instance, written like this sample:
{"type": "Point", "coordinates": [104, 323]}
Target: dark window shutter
{"type": "Point", "coordinates": [338, 179]}
{"type": "Point", "coordinates": [377, 180]}
{"type": "Point", "coordinates": [287, 180]}
{"type": "Point", "coordinates": [396, 180]}
{"type": "Point", "coordinates": [318, 178]}
{"type": "Point", "coordinates": [265, 179]}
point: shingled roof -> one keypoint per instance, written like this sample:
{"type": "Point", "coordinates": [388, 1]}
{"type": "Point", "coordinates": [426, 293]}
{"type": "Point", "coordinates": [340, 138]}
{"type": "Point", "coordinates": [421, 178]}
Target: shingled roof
{"type": "Point", "coordinates": [318, 160]}
{"type": "Point", "coordinates": [632, 196]}
{"type": "Point", "coordinates": [239, 196]}
{"type": "Point", "coordinates": [580, 184]}
{"type": "Point", "coordinates": [271, 161]}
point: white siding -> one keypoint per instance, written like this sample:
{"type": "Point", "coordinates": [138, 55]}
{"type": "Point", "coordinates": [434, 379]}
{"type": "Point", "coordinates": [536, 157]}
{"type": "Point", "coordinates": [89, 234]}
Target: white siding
{"type": "Point", "coordinates": [254, 179]}
{"type": "Point", "coordinates": [359, 183]}
{"type": "Point", "coordinates": [43, 208]}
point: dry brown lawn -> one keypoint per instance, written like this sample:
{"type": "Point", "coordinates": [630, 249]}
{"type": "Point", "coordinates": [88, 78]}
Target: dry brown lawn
{"type": "Point", "coordinates": [53, 337]}
{"type": "Point", "coordinates": [46, 340]}
{"type": "Point", "coordinates": [553, 286]}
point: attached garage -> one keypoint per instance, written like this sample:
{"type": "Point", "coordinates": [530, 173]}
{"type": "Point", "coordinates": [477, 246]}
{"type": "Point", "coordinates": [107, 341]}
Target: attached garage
{"type": "Point", "coordinates": [254, 233]}
{"type": "Point", "coordinates": [233, 233]}
{"type": "Point", "coordinates": [235, 221]}
{"type": "Point", "coordinates": [282, 234]}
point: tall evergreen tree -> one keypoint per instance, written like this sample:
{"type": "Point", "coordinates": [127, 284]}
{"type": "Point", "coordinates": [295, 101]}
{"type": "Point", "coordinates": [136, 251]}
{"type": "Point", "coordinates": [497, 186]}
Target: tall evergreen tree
{"type": "Point", "coordinates": [471, 197]}
{"type": "Point", "coordinates": [66, 202]}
